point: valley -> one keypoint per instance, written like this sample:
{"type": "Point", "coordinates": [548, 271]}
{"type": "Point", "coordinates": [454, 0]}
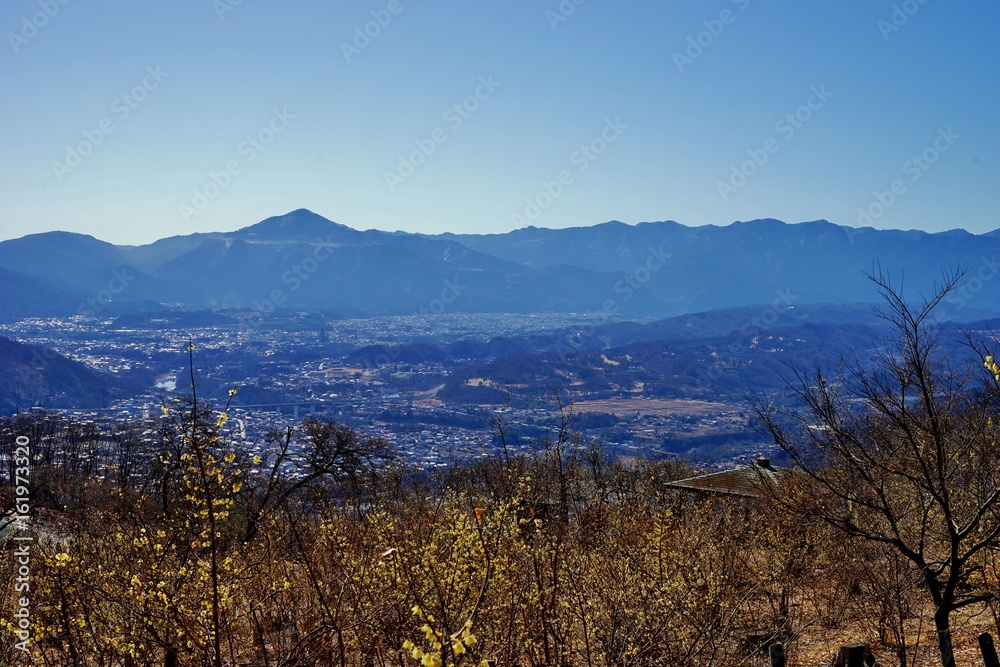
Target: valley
{"type": "Point", "coordinates": [430, 342]}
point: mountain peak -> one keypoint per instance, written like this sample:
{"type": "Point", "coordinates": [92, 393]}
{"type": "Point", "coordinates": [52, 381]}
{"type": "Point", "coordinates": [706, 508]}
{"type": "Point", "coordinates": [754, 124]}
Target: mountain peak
{"type": "Point", "coordinates": [770, 223]}
{"type": "Point", "coordinates": [298, 225]}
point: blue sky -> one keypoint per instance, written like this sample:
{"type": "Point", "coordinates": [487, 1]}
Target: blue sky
{"type": "Point", "coordinates": [567, 114]}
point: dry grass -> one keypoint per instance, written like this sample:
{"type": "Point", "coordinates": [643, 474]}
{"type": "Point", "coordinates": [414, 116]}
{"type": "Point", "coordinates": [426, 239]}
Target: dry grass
{"type": "Point", "coordinates": [816, 645]}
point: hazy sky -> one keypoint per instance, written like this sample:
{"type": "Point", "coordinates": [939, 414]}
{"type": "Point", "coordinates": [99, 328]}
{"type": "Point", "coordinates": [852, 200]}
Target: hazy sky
{"type": "Point", "coordinates": [137, 120]}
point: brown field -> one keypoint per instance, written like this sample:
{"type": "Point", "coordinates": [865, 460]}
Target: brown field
{"type": "Point", "coordinates": [653, 406]}
{"type": "Point", "coordinates": [428, 399]}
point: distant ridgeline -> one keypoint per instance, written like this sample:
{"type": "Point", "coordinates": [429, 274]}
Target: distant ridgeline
{"type": "Point", "coordinates": [658, 269]}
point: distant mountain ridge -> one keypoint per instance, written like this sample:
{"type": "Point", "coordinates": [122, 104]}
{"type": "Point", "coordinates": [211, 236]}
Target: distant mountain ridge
{"type": "Point", "coordinates": [649, 270]}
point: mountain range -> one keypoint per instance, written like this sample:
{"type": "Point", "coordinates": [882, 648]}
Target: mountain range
{"type": "Point", "coordinates": [649, 270]}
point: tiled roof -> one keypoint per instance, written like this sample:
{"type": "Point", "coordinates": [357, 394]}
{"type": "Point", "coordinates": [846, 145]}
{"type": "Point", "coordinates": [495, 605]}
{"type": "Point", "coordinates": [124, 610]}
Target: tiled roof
{"type": "Point", "coordinates": [743, 481]}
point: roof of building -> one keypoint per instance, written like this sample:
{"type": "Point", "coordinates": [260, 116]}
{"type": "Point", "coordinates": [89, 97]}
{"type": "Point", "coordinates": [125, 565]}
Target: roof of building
{"type": "Point", "coordinates": [744, 481]}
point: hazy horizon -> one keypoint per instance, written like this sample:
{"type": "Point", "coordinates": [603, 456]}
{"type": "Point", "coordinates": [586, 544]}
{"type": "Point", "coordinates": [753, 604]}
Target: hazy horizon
{"type": "Point", "coordinates": [539, 226]}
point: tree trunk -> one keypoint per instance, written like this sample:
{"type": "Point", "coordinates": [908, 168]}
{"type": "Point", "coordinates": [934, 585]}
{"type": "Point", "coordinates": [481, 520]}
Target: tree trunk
{"type": "Point", "coordinates": [988, 650]}
{"type": "Point", "coordinates": [776, 653]}
{"type": "Point", "coordinates": [942, 624]}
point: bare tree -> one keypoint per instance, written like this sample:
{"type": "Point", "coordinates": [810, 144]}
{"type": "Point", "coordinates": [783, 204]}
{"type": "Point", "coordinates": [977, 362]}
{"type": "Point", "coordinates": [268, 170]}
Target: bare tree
{"type": "Point", "coordinates": [330, 453]}
{"type": "Point", "coordinates": [904, 452]}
